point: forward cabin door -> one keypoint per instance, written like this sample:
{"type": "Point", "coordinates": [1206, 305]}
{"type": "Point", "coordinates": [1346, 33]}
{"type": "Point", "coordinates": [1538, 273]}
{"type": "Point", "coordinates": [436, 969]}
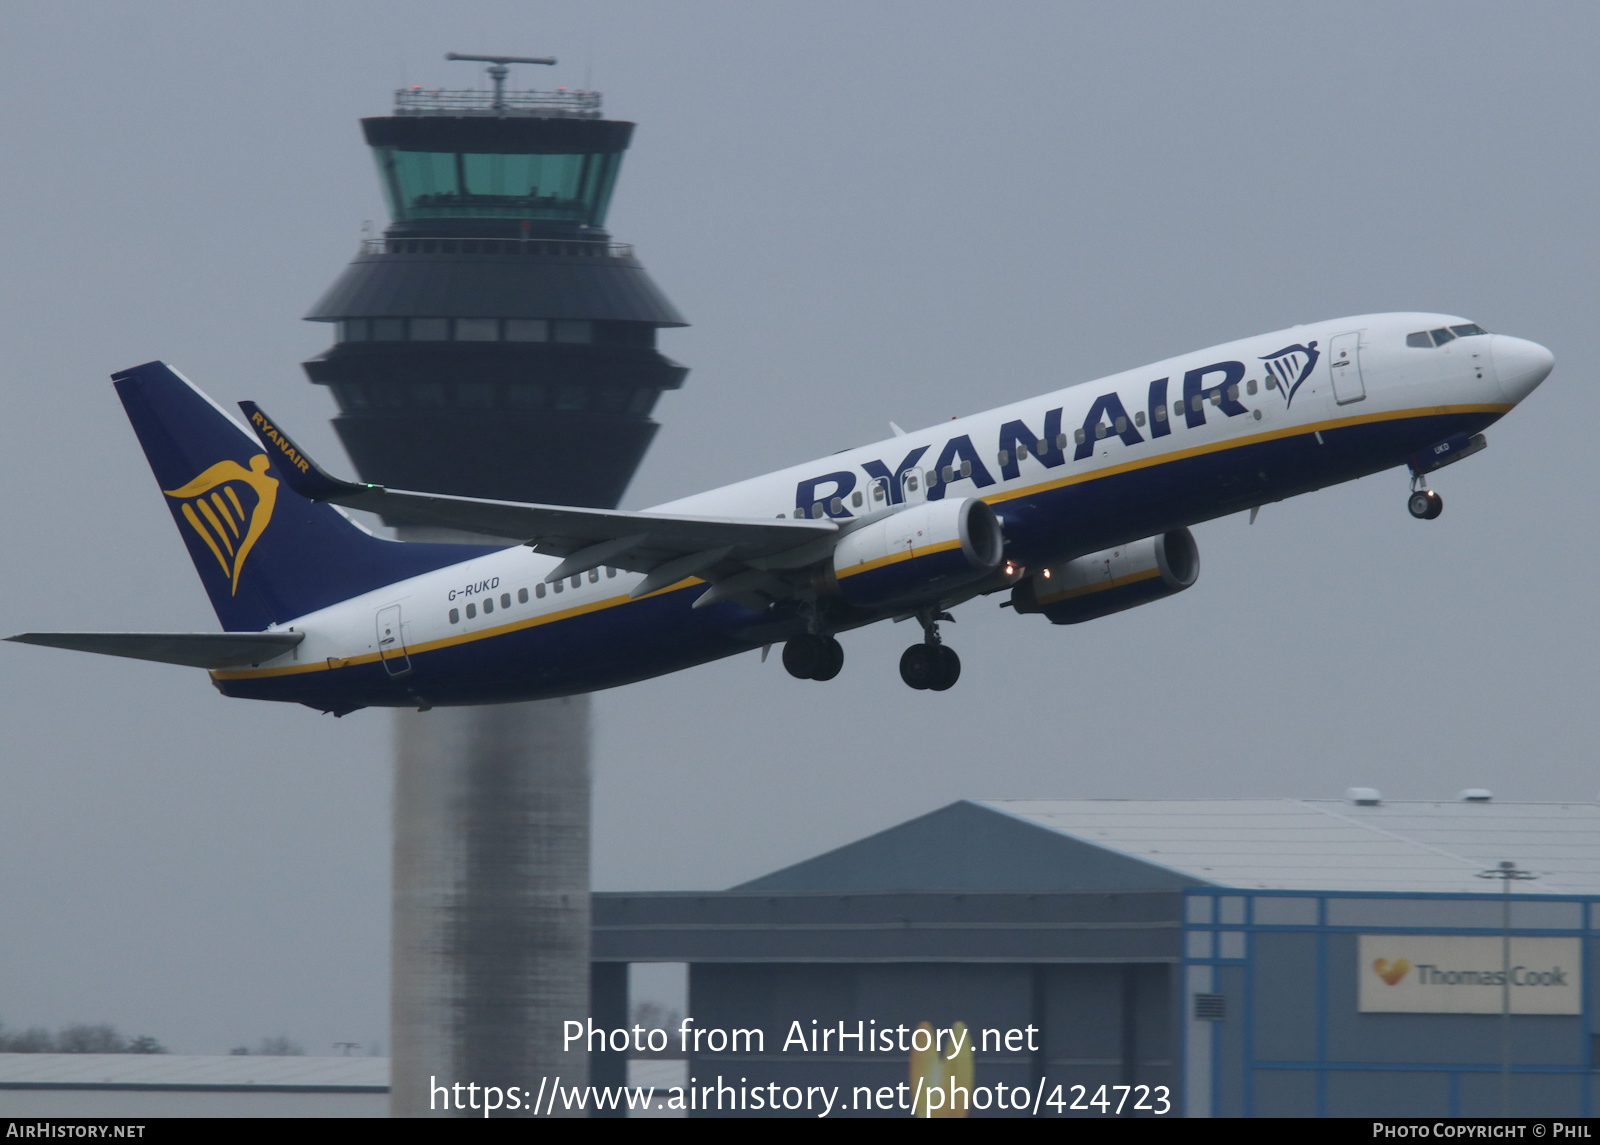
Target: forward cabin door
{"type": "Point", "coordinates": [391, 642]}
{"type": "Point", "coordinates": [1344, 363]}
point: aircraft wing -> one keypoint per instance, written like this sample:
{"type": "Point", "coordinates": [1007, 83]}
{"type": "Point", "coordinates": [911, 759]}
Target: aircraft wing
{"type": "Point", "coordinates": [191, 649]}
{"type": "Point", "coordinates": [666, 548]}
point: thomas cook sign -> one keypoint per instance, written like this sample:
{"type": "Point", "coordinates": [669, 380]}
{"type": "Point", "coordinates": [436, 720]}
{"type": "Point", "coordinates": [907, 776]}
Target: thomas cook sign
{"type": "Point", "coordinates": [1461, 974]}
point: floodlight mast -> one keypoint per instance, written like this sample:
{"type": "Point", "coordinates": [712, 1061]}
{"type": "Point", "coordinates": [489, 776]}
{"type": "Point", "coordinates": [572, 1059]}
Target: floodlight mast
{"type": "Point", "coordinates": [499, 71]}
{"type": "Point", "coordinates": [1507, 872]}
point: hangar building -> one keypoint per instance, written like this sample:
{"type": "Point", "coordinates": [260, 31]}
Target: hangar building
{"type": "Point", "coordinates": [1266, 957]}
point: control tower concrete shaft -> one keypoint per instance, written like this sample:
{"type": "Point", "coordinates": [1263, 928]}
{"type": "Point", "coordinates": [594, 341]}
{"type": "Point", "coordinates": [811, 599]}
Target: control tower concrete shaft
{"type": "Point", "coordinates": [495, 343]}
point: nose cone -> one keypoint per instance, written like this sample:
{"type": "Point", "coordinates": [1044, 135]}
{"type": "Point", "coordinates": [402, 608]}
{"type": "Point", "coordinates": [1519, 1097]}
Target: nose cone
{"type": "Point", "coordinates": [1520, 365]}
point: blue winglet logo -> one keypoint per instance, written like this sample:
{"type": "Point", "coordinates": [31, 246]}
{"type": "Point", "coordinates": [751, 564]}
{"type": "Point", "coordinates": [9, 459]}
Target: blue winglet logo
{"type": "Point", "coordinates": [1292, 365]}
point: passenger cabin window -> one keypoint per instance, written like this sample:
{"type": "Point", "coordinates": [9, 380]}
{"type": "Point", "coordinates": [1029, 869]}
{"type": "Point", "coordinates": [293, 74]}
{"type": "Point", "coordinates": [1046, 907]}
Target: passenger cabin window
{"type": "Point", "coordinates": [455, 616]}
{"type": "Point", "coordinates": [538, 590]}
{"type": "Point", "coordinates": [577, 582]}
{"type": "Point", "coordinates": [522, 596]}
{"type": "Point", "coordinates": [505, 600]}
{"type": "Point", "coordinates": [1250, 387]}
{"type": "Point", "coordinates": [855, 499]}
{"type": "Point", "coordinates": [472, 610]}
{"type": "Point", "coordinates": [1161, 413]}
{"type": "Point", "coordinates": [488, 606]}
{"type": "Point", "coordinates": [594, 576]}
{"type": "Point", "coordinates": [610, 572]}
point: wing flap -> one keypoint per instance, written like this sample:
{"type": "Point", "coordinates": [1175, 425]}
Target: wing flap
{"type": "Point", "coordinates": [190, 649]}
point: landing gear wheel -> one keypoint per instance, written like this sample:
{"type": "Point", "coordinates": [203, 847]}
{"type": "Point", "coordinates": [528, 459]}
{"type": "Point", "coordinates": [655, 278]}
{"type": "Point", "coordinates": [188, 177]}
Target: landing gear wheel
{"type": "Point", "coordinates": [833, 660]}
{"type": "Point", "coordinates": [804, 656]}
{"type": "Point", "coordinates": [1425, 504]}
{"type": "Point", "coordinates": [949, 669]}
{"type": "Point", "coordinates": [813, 657]}
{"type": "Point", "coordinates": [919, 666]}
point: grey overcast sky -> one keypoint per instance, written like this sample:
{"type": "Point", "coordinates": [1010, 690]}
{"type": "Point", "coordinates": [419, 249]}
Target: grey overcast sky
{"type": "Point", "coordinates": [868, 211]}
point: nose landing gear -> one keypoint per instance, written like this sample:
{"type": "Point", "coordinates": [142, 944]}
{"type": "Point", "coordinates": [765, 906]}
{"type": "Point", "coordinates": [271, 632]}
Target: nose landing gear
{"type": "Point", "coordinates": [930, 666]}
{"type": "Point", "coordinates": [1425, 504]}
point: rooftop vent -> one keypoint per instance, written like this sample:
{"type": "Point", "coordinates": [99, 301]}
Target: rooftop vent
{"type": "Point", "coordinates": [1364, 796]}
{"type": "Point", "coordinates": [1476, 795]}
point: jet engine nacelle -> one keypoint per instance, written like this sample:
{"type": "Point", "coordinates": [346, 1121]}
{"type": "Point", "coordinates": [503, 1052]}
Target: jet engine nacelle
{"type": "Point", "coordinates": [918, 553]}
{"type": "Point", "coordinates": [1112, 580]}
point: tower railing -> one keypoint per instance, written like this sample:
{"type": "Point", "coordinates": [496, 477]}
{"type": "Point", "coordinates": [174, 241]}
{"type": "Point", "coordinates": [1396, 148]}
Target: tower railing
{"type": "Point", "coordinates": [562, 104]}
{"type": "Point", "coordinates": [571, 248]}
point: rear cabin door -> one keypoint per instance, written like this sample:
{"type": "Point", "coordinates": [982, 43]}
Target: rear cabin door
{"type": "Point", "coordinates": [1344, 362]}
{"type": "Point", "coordinates": [391, 642]}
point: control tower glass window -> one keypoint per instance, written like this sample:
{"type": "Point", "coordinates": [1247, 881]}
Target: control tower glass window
{"type": "Point", "coordinates": [574, 189]}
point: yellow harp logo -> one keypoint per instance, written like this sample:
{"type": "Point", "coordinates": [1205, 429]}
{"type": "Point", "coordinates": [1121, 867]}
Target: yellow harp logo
{"type": "Point", "coordinates": [213, 507]}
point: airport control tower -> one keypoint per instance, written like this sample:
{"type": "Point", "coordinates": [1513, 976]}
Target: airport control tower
{"type": "Point", "coordinates": [495, 343]}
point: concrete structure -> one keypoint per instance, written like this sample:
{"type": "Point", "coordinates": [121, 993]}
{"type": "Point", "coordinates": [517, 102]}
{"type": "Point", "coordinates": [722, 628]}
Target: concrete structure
{"type": "Point", "coordinates": [494, 343]}
{"type": "Point", "coordinates": [1255, 957]}
{"type": "Point", "coordinates": [137, 1086]}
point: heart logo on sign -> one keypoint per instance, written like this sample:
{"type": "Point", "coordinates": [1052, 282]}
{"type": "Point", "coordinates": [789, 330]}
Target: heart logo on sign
{"type": "Point", "coordinates": [1391, 972]}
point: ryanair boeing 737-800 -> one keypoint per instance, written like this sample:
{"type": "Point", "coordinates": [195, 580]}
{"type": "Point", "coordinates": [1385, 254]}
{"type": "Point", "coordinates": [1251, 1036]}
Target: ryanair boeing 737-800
{"type": "Point", "coordinates": [1075, 504]}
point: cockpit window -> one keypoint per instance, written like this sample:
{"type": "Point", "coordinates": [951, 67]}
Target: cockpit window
{"type": "Point", "coordinates": [1423, 339]}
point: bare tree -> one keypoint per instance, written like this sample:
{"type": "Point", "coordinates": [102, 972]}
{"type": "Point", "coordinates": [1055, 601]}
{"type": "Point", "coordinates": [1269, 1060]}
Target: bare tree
{"type": "Point", "coordinates": [279, 1047]}
{"type": "Point", "coordinates": [82, 1038]}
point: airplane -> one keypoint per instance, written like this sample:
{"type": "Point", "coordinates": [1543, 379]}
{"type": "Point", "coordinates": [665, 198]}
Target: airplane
{"type": "Point", "coordinates": [1075, 505]}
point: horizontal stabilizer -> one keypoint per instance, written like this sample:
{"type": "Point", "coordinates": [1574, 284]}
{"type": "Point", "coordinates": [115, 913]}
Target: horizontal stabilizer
{"type": "Point", "coordinates": [191, 649]}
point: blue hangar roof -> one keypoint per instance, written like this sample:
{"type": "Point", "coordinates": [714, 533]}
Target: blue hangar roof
{"type": "Point", "coordinates": [1166, 844]}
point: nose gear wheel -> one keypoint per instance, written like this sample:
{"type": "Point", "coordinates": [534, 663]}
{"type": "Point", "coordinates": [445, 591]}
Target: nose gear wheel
{"type": "Point", "coordinates": [1425, 504]}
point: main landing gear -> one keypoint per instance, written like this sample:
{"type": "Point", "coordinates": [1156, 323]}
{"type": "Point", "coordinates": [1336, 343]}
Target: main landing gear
{"type": "Point", "coordinates": [813, 657]}
{"type": "Point", "coordinates": [930, 666]}
{"type": "Point", "coordinates": [1425, 504]}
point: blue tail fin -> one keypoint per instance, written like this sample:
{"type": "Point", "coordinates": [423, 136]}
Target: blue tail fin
{"type": "Point", "coordinates": [265, 554]}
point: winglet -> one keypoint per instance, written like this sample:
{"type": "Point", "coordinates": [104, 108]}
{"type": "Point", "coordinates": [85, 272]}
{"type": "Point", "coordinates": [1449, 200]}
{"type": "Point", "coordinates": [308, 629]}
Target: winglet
{"type": "Point", "coordinates": [303, 475]}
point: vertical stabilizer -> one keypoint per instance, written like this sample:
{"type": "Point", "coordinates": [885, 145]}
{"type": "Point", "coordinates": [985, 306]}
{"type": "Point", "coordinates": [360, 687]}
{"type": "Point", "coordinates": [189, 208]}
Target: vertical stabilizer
{"type": "Point", "coordinates": [265, 554]}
